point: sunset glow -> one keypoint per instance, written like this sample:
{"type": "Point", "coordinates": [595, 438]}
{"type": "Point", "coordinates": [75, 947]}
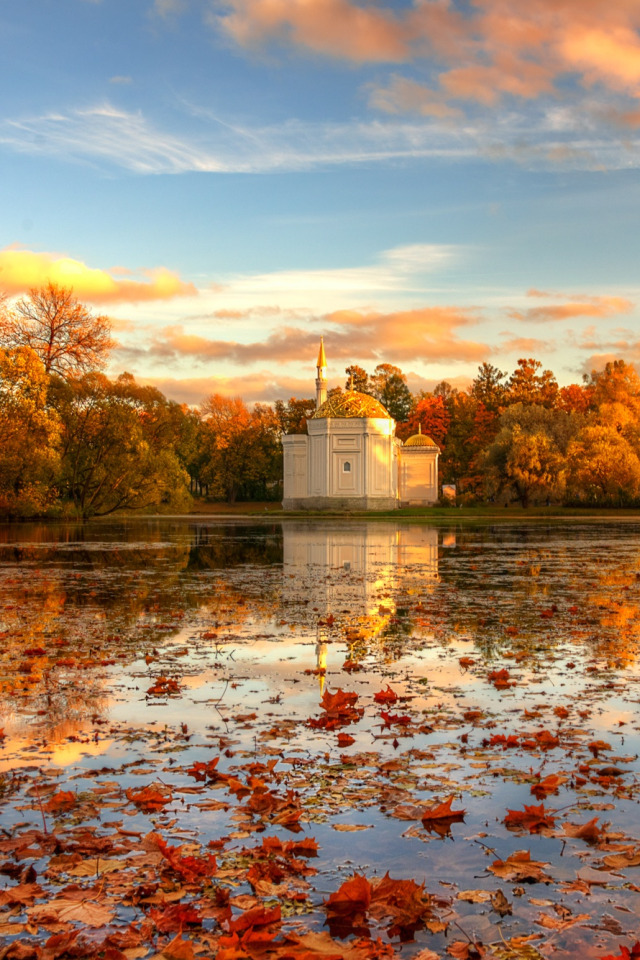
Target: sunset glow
{"type": "Point", "coordinates": [425, 183]}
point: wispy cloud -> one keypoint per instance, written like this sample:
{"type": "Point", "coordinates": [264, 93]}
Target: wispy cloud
{"type": "Point", "coordinates": [112, 137]}
{"type": "Point", "coordinates": [262, 386]}
{"type": "Point", "coordinates": [574, 305]}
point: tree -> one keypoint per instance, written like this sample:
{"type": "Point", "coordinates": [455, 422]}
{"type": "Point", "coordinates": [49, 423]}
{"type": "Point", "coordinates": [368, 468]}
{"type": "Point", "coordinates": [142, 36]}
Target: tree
{"type": "Point", "coordinates": [357, 379]}
{"type": "Point", "coordinates": [243, 447]}
{"type": "Point", "coordinates": [389, 386]}
{"type": "Point", "coordinates": [29, 435]}
{"type": "Point", "coordinates": [604, 468]}
{"type": "Point", "coordinates": [617, 383]}
{"type": "Point", "coordinates": [114, 456]}
{"type": "Point", "coordinates": [530, 386]}
{"type": "Point", "coordinates": [528, 454]}
{"type": "Point", "coordinates": [292, 416]}
{"type": "Point", "coordinates": [430, 415]}
{"type": "Point", "coordinates": [575, 398]}
{"type": "Point", "coordinates": [487, 388]}
{"type": "Point", "coordinates": [65, 335]}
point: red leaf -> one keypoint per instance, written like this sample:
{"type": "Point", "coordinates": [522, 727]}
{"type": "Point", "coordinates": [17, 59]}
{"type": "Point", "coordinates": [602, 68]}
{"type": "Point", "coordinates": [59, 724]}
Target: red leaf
{"type": "Point", "coordinates": [386, 696]}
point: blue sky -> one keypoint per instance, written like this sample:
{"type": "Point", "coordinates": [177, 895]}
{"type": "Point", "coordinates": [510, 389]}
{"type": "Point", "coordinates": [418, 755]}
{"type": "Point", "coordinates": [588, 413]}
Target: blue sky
{"type": "Point", "coordinates": [426, 183]}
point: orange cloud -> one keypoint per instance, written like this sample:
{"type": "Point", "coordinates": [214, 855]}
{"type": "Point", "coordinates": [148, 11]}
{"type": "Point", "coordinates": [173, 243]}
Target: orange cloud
{"type": "Point", "coordinates": [484, 50]}
{"type": "Point", "coordinates": [525, 346]}
{"type": "Point", "coordinates": [428, 333]}
{"type": "Point", "coordinates": [22, 269]}
{"type": "Point", "coordinates": [260, 387]}
{"type": "Point", "coordinates": [336, 28]}
{"type": "Point", "coordinates": [577, 306]}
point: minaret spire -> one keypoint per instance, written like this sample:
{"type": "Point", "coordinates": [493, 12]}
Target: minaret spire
{"type": "Point", "coordinates": [321, 379]}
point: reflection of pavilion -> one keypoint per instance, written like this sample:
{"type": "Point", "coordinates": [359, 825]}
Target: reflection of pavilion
{"type": "Point", "coordinates": [355, 567]}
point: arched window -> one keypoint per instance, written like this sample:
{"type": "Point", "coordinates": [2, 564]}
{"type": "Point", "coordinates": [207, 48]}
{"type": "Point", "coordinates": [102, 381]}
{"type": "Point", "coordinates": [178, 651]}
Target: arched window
{"type": "Point", "coordinates": [346, 467]}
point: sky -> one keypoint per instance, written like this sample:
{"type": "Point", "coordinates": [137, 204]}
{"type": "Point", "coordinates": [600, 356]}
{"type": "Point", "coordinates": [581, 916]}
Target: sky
{"type": "Point", "coordinates": [428, 183]}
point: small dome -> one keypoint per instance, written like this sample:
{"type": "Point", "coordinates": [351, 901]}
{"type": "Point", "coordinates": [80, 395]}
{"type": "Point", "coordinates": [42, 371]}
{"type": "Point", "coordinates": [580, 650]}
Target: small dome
{"type": "Point", "coordinates": [420, 440]}
{"type": "Point", "coordinates": [351, 403]}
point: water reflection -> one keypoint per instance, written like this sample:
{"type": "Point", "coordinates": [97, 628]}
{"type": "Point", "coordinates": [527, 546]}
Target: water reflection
{"type": "Point", "coordinates": [355, 567]}
{"type": "Point", "coordinates": [76, 601]}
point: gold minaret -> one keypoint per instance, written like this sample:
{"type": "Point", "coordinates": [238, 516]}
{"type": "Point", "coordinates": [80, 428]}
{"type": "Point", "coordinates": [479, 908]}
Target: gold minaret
{"type": "Point", "coordinates": [321, 379]}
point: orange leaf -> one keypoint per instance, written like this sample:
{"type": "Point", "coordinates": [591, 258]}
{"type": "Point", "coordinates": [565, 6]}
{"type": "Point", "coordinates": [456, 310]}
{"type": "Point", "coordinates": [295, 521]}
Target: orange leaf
{"type": "Point", "coordinates": [533, 818]}
{"type": "Point", "coordinates": [352, 897]}
{"type": "Point", "coordinates": [385, 696]}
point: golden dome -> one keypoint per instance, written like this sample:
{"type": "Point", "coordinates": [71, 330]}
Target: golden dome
{"type": "Point", "coordinates": [351, 403]}
{"type": "Point", "coordinates": [420, 440]}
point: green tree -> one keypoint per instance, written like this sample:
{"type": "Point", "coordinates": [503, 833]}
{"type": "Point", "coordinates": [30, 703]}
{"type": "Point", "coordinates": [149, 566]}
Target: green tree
{"type": "Point", "coordinates": [357, 379]}
{"type": "Point", "coordinates": [488, 388]}
{"type": "Point", "coordinates": [65, 335]}
{"type": "Point", "coordinates": [292, 417]}
{"type": "Point", "coordinates": [29, 435]}
{"type": "Point", "coordinates": [389, 386]}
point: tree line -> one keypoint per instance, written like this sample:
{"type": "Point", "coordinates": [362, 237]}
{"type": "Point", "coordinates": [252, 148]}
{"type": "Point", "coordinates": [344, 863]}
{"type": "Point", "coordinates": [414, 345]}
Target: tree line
{"type": "Point", "coordinates": [74, 442]}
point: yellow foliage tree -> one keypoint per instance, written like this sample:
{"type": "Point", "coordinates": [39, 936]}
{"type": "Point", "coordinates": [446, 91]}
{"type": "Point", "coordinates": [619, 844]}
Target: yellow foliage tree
{"type": "Point", "coordinates": [29, 435]}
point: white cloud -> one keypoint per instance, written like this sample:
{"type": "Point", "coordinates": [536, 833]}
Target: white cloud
{"type": "Point", "coordinates": [107, 135]}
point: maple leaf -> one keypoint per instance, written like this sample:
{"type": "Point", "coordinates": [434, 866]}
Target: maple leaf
{"type": "Point", "coordinates": [584, 831]}
{"type": "Point", "coordinates": [256, 917]}
{"type": "Point", "coordinates": [64, 910]}
{"type": "Point", "coordinates": [625, 953]}
{"type": "Point", "coordinates": [344, 740]}
{"type": "Point", "coordinates": [174, 917]}
{"type": "Point", "coordinates": [441, 812]}
{"type": "Point", "coordinates": [62, 800]}
{"type": "Point", "coordinates": [548, 785]}
{"type": "Point", "coordinates": [204, 771]}
{"type": "Point", "coordinates": [339, 701]}
{"type": "Point", "coordinates": [500, 678]}
{"type": "Point", "coordinates": [464, 950]}
{"type": "Point", "coordinates": [177, 949]}
{"type": "Point", "coordinates": [499, 740]}
{"type": "Point", "coordinates": [191, 869]}
{"type": "Point", "coordinates": [520, 867]}
{"type": "Point", "coordinates": [385, 696]}
{"type": "Point", "coordinates": [153, 797]}
{"type": "Point", "coordinates": [352, 898]}
{"type": "Point", "coordinates": [533, 818]}
{"type": "Point", "coordinates": [391, 718]}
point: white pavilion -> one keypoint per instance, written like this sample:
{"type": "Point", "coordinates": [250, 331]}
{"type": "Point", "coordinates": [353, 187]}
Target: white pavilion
{"type": "Point", "coordinates": [351, 459]}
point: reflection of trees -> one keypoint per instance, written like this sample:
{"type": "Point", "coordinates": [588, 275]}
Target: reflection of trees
{"type": "Point", "coordinates": [502, 583]}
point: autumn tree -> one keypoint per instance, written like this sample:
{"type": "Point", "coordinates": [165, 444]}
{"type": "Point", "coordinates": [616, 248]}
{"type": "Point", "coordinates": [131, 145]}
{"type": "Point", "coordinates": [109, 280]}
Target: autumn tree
{"type": "Point", "coordinates": [29, 435]}
{"type": "Point", "coordinates": [529, 384]}
{"type": "Point", "coordinates": [243, 447]}
{"type": "Point", "coordinates": [528, 455]}
{"type": "Point", "coordinates": [114, 454]}
{"type": "Point", "coordinates": [604, 467]}
{"type": "Point", "coordinates": [430, 416]}
{"type": "Point", "coordinates": [64, 334]}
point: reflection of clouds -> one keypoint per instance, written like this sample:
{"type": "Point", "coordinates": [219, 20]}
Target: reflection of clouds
{"type": "Point", "coordinates": [66, 743]}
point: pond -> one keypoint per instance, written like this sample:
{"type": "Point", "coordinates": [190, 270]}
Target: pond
{"type": "Point", "coordinates": [221, 736]}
